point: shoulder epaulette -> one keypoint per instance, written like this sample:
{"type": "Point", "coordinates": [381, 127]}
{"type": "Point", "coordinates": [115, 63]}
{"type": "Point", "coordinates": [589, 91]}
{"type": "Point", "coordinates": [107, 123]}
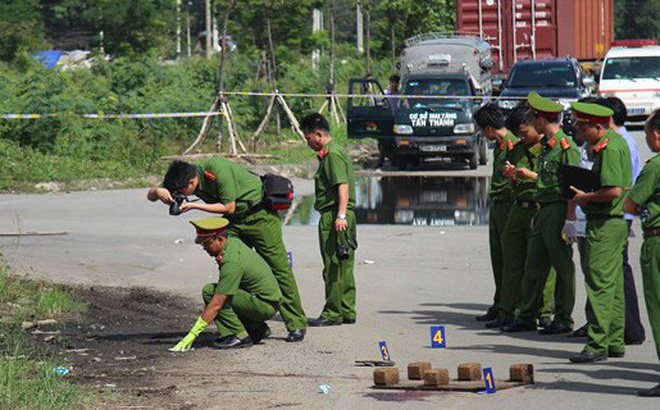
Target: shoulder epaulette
{"type": "Point", "coordinates": [565, 144]}
{"type": "Point", "coordinates": [210, 175]}
{"type": "Point", "coordinates": [601, 145]}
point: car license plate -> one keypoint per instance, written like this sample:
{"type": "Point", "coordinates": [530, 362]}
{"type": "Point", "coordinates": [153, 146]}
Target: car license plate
{"type": "Point", "coordinates": [634, 111]}
{"type": "Point", "coordinates": [433, 148]}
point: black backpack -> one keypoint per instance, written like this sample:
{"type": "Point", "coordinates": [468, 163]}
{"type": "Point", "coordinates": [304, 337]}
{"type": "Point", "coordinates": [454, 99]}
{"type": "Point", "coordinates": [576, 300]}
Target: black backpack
{"type": "Point", "coordinates": [278, 192]}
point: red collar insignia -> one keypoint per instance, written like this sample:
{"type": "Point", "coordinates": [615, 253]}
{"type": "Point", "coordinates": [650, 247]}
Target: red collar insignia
{"type": "Point", "coordinates": [323, 152]}
{"type": "Point", "coordinates": [509, 145]}
{"type": "Point", "coordinates": [601, 145]}
{"type": "Point", "coordinates": [565, 144]}
{"type": "Point", "coordinates": [502, 145]}
{"type": "Point", "coordinates": [210, 175]}
{"type": "Point", "coordinates": [552, 142]}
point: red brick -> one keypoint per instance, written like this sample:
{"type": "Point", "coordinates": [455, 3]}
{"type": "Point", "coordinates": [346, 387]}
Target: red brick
{"type": "Point", "coordinates": [523, 372]}
{"type": "Point", "coordinates": [386, 376]}
{"type": "Point", "coordinates": [436, 377]}
{"type": "Point", "coordinates": [469, 372]}
{"type": "Point", "coordinates": [416, 370]}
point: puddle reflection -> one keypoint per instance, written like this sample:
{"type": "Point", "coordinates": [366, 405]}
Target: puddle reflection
{"type": "Point", "coordinates": [420, 201]}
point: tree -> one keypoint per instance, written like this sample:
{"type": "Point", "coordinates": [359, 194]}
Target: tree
{"type": "Point", "coordinates": [635, 19]}
{"type": "Point", "coordinates": [21, 28]}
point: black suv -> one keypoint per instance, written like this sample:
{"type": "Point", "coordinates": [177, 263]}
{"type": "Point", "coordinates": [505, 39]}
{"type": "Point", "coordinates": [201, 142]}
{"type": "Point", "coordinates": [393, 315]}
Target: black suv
{"type": "Point", "coordinates": [560, 79]}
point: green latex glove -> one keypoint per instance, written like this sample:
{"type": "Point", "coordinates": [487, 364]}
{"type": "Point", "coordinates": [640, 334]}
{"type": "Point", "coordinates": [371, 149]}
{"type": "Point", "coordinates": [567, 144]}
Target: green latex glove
{"type": "Point", "coordinates": [186, 343]}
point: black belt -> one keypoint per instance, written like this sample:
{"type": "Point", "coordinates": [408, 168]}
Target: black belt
{"type": "Point", "coordinates": [252, 210]}
{"type": "Point", "coordinates": [651, 232]}
{"type": "Point", "coordinates": [603, 217]}
{"type": "Point", "coordinates": [551, 203]}
{"type": "Point", "coordinates": [527, 204]}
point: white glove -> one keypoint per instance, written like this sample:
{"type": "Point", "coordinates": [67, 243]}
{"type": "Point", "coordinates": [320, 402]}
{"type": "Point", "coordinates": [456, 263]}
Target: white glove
{"type": "Point", "coordinates": [569, 232]}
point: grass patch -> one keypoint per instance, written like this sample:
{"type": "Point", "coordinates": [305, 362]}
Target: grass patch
{"type": "Point", "coordinates": [27, 377]}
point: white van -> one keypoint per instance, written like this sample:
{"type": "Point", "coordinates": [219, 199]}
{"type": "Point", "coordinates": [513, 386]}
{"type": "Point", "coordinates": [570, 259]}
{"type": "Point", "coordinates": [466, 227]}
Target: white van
{"type": "Point", "coordinates": [632, 73]}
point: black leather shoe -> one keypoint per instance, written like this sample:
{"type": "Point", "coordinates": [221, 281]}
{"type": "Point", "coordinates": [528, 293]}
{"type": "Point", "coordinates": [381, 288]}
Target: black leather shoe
{"type": "Point", "coordinates": [545, 322]}
{"type": "Point", "coordinates": [518, 326]}
{"type": "Point", "coordinates": [498, 323]}
{"type": "Point", "coordinates": [348, 321]}
{"type": "Point", "coordinates": [260, 333]}
{"type": "Point", "coordinates": [581, 332]}
{"type": "Point", "coordinates": [488, 317]}
{"type": "Point", "coordinates": [588, 357]}
{"type": "Point", "coordinates": [221, 339]}
{"type": "Point", "coordinates": [296, 336]}
{"type": "Point", "coordinates": [616, 355]}
{"type": "Point", "coordinates": [234, 342]}
{"type": "Point", "coordinates": [632, 342]}
{"type": "Point", "coordinates": [555, 329]}
{"type": "Point", "coordinates": [652, 392]}
{"type": "Point", "coordinates": [322, 322]}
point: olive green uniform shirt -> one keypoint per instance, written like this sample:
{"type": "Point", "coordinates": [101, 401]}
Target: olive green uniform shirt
{"type": "Point", "coordinates": [500, 189]}
{"type": "Point", "coordinates": [224, 181]}
{"type": "Point", "coordinates": [241, 268]}
{"type": "Point", "coordinates": [523, 156]}
{"type": "Point", "coordinates": [646, 192]}
{"type": "Point", "coordinates": [335, 168]}
{"type": "Point", "coordinates": [612, 164]}
{"type": "Point", "coordinates": [560, 149]}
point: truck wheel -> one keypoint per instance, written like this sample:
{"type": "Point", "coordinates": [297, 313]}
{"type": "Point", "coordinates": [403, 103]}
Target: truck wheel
{"type": "Point", "coordinates": [474, 161]}
{"type": "Point", "coordinates": [483, 153]}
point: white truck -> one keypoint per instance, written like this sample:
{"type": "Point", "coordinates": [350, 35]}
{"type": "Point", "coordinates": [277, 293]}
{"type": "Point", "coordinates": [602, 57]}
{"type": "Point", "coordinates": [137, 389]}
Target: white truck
{"type": "Point", "coordinates": [631, 72]}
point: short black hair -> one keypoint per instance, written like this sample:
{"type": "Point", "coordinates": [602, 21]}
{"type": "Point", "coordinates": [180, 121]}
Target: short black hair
{"type": "Point", "coordinates": [520, 115]}
{"type": "Point", "coordinates": [620, 111]}
{"type": "Point", "coordinates": [314, 122]}
{"type": "Point", "coordinates": [589, 100]}
{"type": "Point", "coordinates": [394, 78]}
{"type": "Point", "coordinates": [178, 174]}
{"type": "Point", "coordinates": [653, 123]}
{"type": "Point", "coordinates": [490, 115]}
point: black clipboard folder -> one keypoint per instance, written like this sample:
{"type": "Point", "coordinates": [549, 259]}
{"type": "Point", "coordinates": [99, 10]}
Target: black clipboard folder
{"type": "Point", "coordinates": [581, 178]}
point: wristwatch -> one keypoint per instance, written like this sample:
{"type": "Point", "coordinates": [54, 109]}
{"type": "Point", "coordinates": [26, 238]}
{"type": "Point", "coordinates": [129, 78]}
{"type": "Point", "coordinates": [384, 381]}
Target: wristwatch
{"type": "Point", "coordinates": [341, 215]}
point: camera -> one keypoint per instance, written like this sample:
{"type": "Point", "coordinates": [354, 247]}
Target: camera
{"type": "Point", "coordinates": [178, 200]}
{"type": "Point", "coordinates": [344, 247]}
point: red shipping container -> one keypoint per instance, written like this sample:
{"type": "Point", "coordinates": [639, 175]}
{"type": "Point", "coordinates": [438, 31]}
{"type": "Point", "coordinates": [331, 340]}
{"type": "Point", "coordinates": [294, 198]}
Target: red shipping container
{"type": "Point", "coordinates": [538, 29]}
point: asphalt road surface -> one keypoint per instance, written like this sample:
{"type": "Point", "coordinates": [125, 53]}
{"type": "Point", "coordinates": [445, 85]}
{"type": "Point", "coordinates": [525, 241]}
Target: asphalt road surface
{"type": "Point", "coordinates": [420, 277]}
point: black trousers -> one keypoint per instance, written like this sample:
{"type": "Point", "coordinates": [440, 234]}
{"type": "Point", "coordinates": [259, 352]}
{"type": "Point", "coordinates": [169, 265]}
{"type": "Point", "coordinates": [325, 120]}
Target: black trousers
{"type": "Point", "coordinates": [634, 332]}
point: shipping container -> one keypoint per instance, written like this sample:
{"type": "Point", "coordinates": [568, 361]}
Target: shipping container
{"type": "Point", "coordinates": [538, 29]}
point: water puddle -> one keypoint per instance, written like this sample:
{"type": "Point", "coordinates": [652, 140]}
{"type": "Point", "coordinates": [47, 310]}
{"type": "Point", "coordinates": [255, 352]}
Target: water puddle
{"type": "Point", "coordinates": [411, 200]}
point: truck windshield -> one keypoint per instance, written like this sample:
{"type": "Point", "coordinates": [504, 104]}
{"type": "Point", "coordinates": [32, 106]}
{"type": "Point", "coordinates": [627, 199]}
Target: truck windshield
{"type": "Point", "coordinates": [629, 68]}
{"type": "Point", "coordinates": [435, 86]}
{"type": "Point", "coordinates": [542, 75]}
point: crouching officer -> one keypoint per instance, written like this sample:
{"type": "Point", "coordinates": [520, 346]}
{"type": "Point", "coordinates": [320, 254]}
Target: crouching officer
{"type": "Point", "coordinates": [644, 200]}
{"type": "Point", "coordinates": [228, 188]}
{"type": "Point", "coordinates": [607, 232]}
{"type": "Point", "coordinates": [245, 296]}
{"type": "Point", "coordinates": [335, 198]}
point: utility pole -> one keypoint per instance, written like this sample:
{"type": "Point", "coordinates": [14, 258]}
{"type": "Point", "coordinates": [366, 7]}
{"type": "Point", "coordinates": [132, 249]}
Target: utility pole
{"type": "Point", "coordinates": [178, 29]}
{"type": "Point", "coordinates": [208, 29]}
{"type": "Point", "coordinates": [317, 25]}
{"type": "Point", "coordinates": [188, 29]}
{"type": "Point", "coordinates": [360, 32]}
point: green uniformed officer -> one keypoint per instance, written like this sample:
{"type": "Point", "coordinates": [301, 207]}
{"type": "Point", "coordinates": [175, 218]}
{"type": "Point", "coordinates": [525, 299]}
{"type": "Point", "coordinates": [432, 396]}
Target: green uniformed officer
{"type": "Point", "coordinates": [335, 198]}
{"type": "Point", "coordinates": [245, 296]}
{"type": "Point", "coordinates": [228, 188]}
{"type": "Point", "coordinates": [525, 154]}
{"type": "Point", "coordinates": [547, 248]}
{"type": "Point", "coordinates": [606, 233]}
{"type": "Point", "coordinates": [644, 200]}
{"type": "Point", "coordinates": [491, 121]}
